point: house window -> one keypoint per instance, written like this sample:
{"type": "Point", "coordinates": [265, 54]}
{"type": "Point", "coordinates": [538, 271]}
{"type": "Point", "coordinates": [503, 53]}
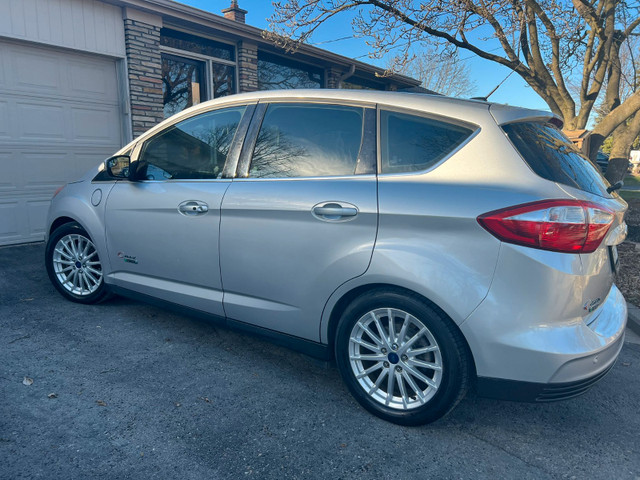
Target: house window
{"type": "Point", "coordinates": [194, 69]}
{"type": "Point", "coordinates": [182, 83]}
{"type": "Point", "coordinates": [355, 83]}
{"type": "Point", "coordinates": [276, 73]}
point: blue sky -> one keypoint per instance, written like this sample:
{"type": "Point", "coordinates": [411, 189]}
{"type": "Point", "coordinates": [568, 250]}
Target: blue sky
{"type": "Point", "coordinates": [486, 74]}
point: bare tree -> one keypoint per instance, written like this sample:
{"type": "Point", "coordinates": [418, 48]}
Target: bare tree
{"type": "Point", "coordinates": [547, 42]}
{"type": "Point", "coordinates": [441, 72]}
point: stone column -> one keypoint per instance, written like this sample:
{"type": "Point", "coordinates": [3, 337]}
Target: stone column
{"type": "Point", "coordinates": [247, 67]}
{"type": "Point", "coordinates": [144, 65]}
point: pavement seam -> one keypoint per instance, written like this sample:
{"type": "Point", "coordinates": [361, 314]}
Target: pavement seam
{"type": "Point", "coordinates": [512, 454]}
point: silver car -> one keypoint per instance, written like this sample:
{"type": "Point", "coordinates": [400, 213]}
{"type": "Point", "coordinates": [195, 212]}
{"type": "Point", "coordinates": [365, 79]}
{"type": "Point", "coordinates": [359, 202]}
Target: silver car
{"type": "Point", "coordinates": [424, 243]}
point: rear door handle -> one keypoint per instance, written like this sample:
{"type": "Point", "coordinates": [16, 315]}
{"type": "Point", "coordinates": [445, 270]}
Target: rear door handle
{"type": "Point", "coordinates": [334, 211]}
{"type": "Point", "coordinates": [193, 207]}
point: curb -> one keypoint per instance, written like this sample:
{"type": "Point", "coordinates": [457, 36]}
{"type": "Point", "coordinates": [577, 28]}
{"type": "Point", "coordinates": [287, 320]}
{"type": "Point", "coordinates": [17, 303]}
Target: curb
{"type": "Point", "coordinates": [633, 321]}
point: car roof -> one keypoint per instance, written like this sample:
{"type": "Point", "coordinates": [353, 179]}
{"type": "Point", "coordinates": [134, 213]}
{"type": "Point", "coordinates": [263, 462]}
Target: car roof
{"type": "Point", "coordinates": [418, 101]}
{"type": "Point", "coordinates": [466, 110]}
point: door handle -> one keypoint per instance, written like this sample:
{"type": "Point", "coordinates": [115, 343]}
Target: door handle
{"type": "Point", "coordinates": [334, 211]}
{"type": "Point", "coordinates": [192, 208]}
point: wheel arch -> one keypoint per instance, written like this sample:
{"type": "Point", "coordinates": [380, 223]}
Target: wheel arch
{"type": "Point", "coordinates": [58, 222]}
{"type": "Point", "coordinates": [343, 302]}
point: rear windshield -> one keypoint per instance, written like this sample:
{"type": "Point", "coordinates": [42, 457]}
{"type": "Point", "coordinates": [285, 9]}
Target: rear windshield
{"type": "Point", "coordinates": [551, 155]}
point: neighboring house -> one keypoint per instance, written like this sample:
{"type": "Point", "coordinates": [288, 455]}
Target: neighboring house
{"type": "Point", "coordinates": [81, 78]}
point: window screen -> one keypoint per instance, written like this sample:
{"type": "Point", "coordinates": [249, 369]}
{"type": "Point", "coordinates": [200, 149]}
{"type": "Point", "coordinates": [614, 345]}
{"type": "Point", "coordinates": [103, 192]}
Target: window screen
{"type": "Point", "coordinates": [307, 141]}
{"type": "Point", "coordinates": [551, 155]}
{"type": "Point", "coordinates": [192, 149]}
{"type": "Point", "coordinates": [411, 143]}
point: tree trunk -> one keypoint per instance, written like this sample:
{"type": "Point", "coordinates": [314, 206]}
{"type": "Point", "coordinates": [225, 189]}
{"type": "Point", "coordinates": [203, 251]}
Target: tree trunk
{"type": "Point", "coordinates": [622, 140]}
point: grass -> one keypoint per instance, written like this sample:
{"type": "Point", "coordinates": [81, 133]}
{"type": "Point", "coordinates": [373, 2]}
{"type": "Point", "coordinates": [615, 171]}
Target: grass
{"type": "Point", "coordinates": [632, 180]}
{"type": "Point", "coordinates": [629, 194]}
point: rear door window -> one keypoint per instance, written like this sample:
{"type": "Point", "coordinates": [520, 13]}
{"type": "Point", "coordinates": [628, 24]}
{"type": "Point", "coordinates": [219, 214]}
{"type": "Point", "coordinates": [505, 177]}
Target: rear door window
{"type": "Point", "coordinates": [411, 143]}
{"type": "Point", "coordinates": [551, 155]}
{"type": "Point", "coordinates": [298, 140]}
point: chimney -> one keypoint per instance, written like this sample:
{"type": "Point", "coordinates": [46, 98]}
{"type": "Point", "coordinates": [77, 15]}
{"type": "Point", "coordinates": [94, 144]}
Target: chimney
{"type": "Point", "coordinates": [234, 12]}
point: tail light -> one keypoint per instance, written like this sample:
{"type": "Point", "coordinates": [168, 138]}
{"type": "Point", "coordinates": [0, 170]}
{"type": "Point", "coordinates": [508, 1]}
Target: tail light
{"type": "Point", "coordinates": [568, 226]}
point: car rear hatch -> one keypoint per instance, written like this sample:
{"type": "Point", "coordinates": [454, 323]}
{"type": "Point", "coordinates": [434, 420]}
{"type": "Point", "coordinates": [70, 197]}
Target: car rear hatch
{"type": "Point", "coordinates": [552, 156]}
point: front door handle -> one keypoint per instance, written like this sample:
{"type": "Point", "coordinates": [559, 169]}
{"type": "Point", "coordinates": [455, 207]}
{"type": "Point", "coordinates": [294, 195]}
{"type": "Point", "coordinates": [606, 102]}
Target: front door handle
{"type": "Point", "coordinates": [334, 211]}
{"type": "Point", "coordinates": [192, 208]}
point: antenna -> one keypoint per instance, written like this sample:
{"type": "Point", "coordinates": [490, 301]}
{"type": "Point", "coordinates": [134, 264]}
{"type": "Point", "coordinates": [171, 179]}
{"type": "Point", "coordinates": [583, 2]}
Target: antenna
{"type": "Point", "coordinates": [484, 99]}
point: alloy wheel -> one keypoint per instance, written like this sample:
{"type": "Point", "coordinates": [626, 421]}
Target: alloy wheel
{"type": "Point", "coordinates": [395, 358]}
{"type": "Point", "coordinates": [76, 265]}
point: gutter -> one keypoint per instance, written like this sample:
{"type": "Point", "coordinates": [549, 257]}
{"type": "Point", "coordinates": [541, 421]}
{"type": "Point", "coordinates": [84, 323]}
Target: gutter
{"type": "Point", "coordinates": [352, 70]}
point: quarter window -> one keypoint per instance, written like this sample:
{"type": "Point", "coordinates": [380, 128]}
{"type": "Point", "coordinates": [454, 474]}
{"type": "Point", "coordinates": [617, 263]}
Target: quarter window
{"type": "Point", "coordinates": [411, 143]}
{"type": "Point", "coordinates": [195, 148]}
{"type": "Point", "coordinates": [551, 155]}
{"type": "Point", "coordinates": [307, 141]}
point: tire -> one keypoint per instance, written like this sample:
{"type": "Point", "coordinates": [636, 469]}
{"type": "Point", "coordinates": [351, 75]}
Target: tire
{"type": "Point", "coordinates": [427, 357]}
{"type": "Point", "coordinates": [73, 265]}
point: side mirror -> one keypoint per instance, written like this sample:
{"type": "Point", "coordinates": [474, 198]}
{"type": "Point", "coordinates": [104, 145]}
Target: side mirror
{"type": "Point", "coordinates": [118, 166]}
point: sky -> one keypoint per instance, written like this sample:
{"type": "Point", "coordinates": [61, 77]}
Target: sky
{"type": "Point", "coordinates": [485, 73]}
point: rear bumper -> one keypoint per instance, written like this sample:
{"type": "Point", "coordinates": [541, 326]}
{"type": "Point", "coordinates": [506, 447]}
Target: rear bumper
{"type": "Point", "coordinates": [517, 391]}
{"type": "Point", "coordinates": [533, 328]}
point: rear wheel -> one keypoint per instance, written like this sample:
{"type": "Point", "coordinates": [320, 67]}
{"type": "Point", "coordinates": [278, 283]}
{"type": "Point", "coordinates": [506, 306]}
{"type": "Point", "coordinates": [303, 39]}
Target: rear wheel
{"type": "Point", "coordinates": [402, 358]}
{"type": "Point", "coordinates": [74, 266]}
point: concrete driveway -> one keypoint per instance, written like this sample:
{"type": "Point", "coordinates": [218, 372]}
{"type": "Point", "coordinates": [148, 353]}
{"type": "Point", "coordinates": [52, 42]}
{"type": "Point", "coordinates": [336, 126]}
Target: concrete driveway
{"type": "Point", "coordinates": [126, 390]}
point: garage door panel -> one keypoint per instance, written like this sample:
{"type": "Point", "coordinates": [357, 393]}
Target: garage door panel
{"type": "Point", "coordinates": [23, 220]}
{"type": "Point", "coordinates": [39, 121]}
{"type": "Point", "coordinates": [11, 170]}
{"type": "Point", "coordinates": [3, 66]}
{"type": "Point", "coordinates": [37, 210]}
{"type": "Point", "coordinates": [46, 170]}
{"type": "Point", "coordinates": [89, 77]}
{"type": "Point", "coordinates": [4, 120]}
{"type": "Point", "coordinates": [36, 73]}
{"type": "Point", "coordinates": [95, 126]}
{"type": "Point", "coordinates": [10, 228]}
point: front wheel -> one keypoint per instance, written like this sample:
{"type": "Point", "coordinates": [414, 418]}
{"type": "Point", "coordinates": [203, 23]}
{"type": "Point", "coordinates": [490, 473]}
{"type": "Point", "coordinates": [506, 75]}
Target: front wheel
{"type": "Point", "coordinates": [73, 264]}
{"type": "Point", "coordinates": [402, 358]}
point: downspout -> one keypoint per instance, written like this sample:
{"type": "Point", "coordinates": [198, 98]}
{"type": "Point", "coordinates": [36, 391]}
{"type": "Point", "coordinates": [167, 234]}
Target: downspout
{"type": "Point", "coordinates": [342, 78]}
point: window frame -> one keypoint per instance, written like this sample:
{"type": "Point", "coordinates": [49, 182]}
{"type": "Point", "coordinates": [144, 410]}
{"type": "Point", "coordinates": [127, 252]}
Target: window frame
{"type": "Point", "coordinates": [368, 142]}
{"type": "Point", "coordinates": [428, 116]}
{"type": "Point", "coordinates": [235, 148]}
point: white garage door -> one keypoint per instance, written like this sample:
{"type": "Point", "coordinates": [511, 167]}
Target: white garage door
{"type": "Point", "coordinates": [59, 116]}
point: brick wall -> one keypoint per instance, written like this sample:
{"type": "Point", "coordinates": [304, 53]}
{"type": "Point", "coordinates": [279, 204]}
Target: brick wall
{"type": "Point", "coordinates": [142, 41]}
{"type": "Point", "coordinates": [333, 77]}
{"type": "Point", "coordinates": [247, 67]}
